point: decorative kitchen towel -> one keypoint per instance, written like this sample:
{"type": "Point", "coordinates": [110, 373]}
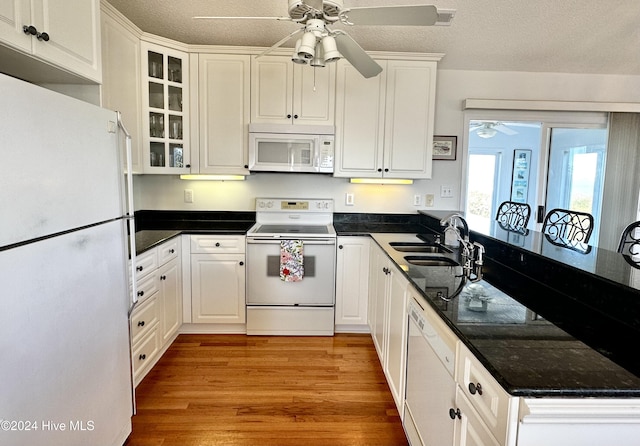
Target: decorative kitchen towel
{"type": "Point", "coordinates": [291, 260]}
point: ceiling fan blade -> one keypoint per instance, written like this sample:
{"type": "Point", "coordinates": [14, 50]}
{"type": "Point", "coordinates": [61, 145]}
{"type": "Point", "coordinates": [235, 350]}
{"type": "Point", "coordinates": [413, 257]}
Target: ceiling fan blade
{"type": "Point", "coordinates": [504, 129]}
{"type": "Point", "coordinates": [203, 17]}
{"type": "Point", "coordinates": [356, 56]}
{"type": "Point", "coordinates": [418, 15]}
{"type": "Point", "coordinates": [279, 42]}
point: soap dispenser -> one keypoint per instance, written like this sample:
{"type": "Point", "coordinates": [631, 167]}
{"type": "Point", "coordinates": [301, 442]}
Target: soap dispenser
{"type": "Point", "coordinates": [451, 235]}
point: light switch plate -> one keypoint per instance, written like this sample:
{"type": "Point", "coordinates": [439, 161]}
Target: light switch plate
{"type": "Point", "coordinates": [188, 196]}
{"type": "Point", "coordinates": [417, 200]}
{"type": "Point", "coordinates": [446, 191]}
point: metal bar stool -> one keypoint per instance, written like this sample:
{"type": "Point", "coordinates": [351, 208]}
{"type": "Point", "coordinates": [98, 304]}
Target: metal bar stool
{"type": "Point", "coordinates": [629, 245]}
{"type": "Point", "coordinates": [512, 216]}
{"type": "Point", "coordinates": [569, 229]}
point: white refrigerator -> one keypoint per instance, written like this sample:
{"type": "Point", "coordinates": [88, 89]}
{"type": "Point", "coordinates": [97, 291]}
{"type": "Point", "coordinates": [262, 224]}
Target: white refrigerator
{"type": "Point", "coordinates": [65, 367]}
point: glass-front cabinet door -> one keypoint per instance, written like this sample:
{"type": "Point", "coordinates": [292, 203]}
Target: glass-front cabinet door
{"type": "Point", "coordinates": [165, 120]}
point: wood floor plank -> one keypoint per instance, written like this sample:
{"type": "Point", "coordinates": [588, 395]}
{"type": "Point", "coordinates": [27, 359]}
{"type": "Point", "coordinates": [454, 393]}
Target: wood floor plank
{"type": "Point", "coordinates": [242, 390]}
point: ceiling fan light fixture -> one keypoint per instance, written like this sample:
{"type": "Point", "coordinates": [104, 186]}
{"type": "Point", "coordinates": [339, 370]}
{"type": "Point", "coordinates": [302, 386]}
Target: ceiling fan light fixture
{"type": "Point", "coordinates": [330, 49]}
{"type": "Point", "coordinates": [318, 59]}
{"type": "Point", "coordinates": [486, 132]}
{"type": "Point", "coordinates": [295, 57]}
{"type": "Point", "coordinates": [307, 46]}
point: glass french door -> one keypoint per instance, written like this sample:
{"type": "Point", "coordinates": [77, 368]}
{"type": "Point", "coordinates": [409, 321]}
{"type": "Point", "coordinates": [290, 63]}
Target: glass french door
{"type": "Point", "coordinates": [575, 174]}
{"type": "Point", "coordinates": [564, 166]}
{"type": "Point", "coordinates": [484, 166]}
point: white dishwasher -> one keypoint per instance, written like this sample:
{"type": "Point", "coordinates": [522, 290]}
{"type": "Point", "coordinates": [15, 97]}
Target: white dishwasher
{"type": "Point", "coordinates": [430, 387]}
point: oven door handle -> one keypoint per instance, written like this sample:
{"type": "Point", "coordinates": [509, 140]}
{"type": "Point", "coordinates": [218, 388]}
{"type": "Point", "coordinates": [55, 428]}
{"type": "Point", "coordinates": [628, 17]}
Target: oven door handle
{"type": "Point", "coordinates": [273, 241]}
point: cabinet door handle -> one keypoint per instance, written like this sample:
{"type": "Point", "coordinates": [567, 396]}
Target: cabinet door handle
{"type": "Point", "coordinates": [141, 324]}
{"type": "Point", "coordinates": [43, 37]}
{"type": "Point", "coordinates": [163, 277]}
{"type": "Point", "coordinates": [171, 251]}
{"type": "Point", "coordinates": [340, 247]}
{"type": "Point", "coordinates": [288, 116]}
{"type": "Point", "coordinates": [386, 169]}
{"type": "Point", "coordinates": [142, 357]}
{"type": "Point", "coordinates": [241, 263]}
{"type": "Point", "coordinates": [475, 388]}
{"type": "Point", "coordinates": [30, 29]}
{"type": "Point", "coordinates": [139, 268]}
{"type": "Point", "coordinates": [295, 116]}
{"type": "Point", "coordinates": [453, 414]}
{"type": "Point", "coordinates": [217, 244]}
{"type": "Point", "coordinates": [140, 293]}
{"type": "Point", "coordinates": [379, 170]}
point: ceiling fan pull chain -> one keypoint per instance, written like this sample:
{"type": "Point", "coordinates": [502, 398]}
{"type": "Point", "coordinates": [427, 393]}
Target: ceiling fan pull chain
{"type": "Point", "coordinates": [314, 78]}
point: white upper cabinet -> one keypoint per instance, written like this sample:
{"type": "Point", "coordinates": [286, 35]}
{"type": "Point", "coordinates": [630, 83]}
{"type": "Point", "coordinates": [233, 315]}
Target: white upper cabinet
{"type": "Point", "coordinates": [120, 77]}
{"type": "Point", "coordinates": [223, 98]}
{"type": "Point", "coordinates": [286, 93]}
{"type": "Point", "coordinates": [64, 33]}
{"type": "Point", "coordinates": [384, 125]}
{"type": "Point", "coordinates": [165, 106]}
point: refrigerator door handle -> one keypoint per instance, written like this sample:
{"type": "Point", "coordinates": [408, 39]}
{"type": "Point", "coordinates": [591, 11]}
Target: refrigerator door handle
{"type": "Point", "coordinates": [129, 211]}
{"type": "Point", "coordinates": [131, 231]}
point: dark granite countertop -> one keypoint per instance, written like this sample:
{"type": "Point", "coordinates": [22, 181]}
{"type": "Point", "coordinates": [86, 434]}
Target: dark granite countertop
{"type": "Point", "coordinates": [575, 351]}
{"type": "Point", "coordinates": [529, 356]}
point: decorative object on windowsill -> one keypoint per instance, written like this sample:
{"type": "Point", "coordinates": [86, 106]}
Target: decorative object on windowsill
{"type": "Point", "coordinates": [445, 147]}
{"type": "Point", "coordinates": [320, 45]}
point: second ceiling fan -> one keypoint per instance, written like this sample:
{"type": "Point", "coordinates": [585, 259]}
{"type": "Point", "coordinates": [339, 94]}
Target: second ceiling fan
{"type": "Point", "coordinates": [320, 44]}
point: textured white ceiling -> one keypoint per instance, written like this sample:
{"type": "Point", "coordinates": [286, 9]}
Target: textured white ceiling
{"type": "Point", "coordinates": [567, 36]}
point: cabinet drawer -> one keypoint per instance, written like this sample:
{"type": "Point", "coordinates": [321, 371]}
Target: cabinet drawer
{"type": "Point", "coordinates": [146, 287]}
{"type": "Point", "coordinates": [145, 352]}
{"type": "Point", "coordinates": [144, 318]}
{"type": "Point", "coordinates": [483, 392]}
{"type": "Point", "coordinates": [204, 244]}
{"type": "Point", "coordinates": [146, 263]}
{"type": "Point", "coordinates": [168, 251]}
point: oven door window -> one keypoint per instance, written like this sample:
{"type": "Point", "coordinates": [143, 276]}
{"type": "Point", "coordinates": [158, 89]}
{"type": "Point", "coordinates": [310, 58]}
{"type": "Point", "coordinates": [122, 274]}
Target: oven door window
{"type": "Point", "coordinates": [264, 286]}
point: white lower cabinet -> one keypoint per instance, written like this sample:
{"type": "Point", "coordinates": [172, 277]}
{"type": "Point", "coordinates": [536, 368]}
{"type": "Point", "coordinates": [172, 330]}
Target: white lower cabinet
{"type": "Point", "coordinates": [352, 284]}
{"type": "Point", "coordinates": [218, 280]}
{"type": "Point", "coordinates": [469, 428]}
{"type": "Point", "coordinates": [387, 320]}
{"type": "Point", "coordinates": [157, 317]}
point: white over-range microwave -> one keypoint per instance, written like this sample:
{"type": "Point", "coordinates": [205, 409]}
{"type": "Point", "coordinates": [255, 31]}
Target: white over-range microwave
{"type": "Point", "coordinates": [291, 148]}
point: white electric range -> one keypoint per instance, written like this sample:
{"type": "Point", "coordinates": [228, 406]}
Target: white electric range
{"type": "Point", "coordinates": [276, 305]}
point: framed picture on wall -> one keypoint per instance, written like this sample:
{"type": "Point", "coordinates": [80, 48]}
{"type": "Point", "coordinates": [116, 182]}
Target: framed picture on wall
{"type": "Point", "coordinates": [445, 147]}
{"type": "Point", "coordinates": [520, 175]}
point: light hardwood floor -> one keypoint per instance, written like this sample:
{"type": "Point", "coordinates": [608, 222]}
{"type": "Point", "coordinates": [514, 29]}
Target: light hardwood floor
{"type": "Point", "coordinates": [267, 390]}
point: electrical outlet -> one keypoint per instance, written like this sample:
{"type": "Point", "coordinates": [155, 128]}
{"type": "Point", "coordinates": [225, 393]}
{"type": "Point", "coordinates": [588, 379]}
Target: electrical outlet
{"type": "Point", "coordinates": [416, 200]}
{"type": "Point", "coordinates": [349, 200]}
{"type": "Point", "coordinates": [428, 200]}
{"type": "Point", "coordinates": [188, 196]}
{"type": "Point", "coordinates": [446, 191]}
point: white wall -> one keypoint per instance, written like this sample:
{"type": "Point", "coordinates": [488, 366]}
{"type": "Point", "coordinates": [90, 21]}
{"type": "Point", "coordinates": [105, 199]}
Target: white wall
{"type": "Point", "coordinates": [453, 86]}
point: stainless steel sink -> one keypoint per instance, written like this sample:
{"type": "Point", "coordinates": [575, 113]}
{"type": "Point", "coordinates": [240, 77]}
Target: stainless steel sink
{"type": "Point", "coordinates": [431, 261]}
{"type": "Point", "coordinates": [418, 247]}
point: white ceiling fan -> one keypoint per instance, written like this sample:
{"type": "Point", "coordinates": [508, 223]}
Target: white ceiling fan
{"type": "Point", "coordinates": [320, 44]}
{"type": "Point", "coordinates": [489, 129]}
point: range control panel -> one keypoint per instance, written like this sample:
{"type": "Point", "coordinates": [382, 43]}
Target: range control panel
{"type": "Point", "coordinates": [294, 205]}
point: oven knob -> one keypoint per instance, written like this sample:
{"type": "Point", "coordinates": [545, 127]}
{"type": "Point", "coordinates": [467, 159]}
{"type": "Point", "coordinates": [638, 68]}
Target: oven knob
{"type": "Point", "coordinates": [269, 204]}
